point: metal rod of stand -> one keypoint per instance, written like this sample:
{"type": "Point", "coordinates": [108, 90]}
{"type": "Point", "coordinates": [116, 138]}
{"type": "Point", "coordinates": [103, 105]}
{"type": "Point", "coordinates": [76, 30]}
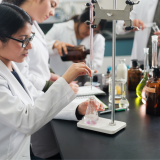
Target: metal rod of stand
{"type": "Point", "coordinates": [113, 65]}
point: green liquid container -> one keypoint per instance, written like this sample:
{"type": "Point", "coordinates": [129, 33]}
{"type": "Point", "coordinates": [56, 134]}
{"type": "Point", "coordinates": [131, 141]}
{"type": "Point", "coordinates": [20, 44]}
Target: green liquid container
{"type": "Point", "coordinates": [141, 85]}
{"type": "Point", "coordinates": [143, 82]}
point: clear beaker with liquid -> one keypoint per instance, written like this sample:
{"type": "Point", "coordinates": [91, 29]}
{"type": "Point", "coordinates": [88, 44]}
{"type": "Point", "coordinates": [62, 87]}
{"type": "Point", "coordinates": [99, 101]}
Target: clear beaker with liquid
{"type": "Point", "coordinates": [91, 116]}
{"type": "Point", "coordinates": [119, 85]}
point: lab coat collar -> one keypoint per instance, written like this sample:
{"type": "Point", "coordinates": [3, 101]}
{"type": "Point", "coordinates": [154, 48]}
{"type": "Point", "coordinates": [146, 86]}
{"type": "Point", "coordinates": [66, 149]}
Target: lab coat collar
{"type": "Point", "coordinates": [70, 25]}
{"type": "Point", "coordinates": [24, 95]}
{"type": "Point", "coordinates": [38, 32]}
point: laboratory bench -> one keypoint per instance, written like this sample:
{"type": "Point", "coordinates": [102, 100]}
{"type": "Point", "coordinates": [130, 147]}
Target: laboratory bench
{"type": "Point", "coordinates": [139, 140]}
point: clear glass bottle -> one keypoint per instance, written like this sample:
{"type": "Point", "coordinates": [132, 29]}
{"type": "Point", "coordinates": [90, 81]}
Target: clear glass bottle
{"type": "Point", "coordinates": [153, 93]}
{"type": "Point", "coordinates": [154, 51]}
{"type": "Point", "coordinates": [75, 53]}
{"type": "Point", "coordinates": [146, 73]}
{"type": "Point", "coordinates": [91, 116]}
{"type": "Point", "coordinates": [122, 69]}
{"type": "Point", "coordinates": [134, 75]}
{"type": "Point", "coordinates": [123, 103]}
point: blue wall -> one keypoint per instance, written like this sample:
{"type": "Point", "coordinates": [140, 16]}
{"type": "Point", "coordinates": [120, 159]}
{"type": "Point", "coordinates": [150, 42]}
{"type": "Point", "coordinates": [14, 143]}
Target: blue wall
{"type": "Point", "coordinates": [123, 47]}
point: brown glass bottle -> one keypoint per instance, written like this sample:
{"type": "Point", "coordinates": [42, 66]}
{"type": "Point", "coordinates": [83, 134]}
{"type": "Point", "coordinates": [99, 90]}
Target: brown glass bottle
{"type": "Point", "coordinates": [134, 76]}
{"type": "Point", "coordinates": [153, 93]}
{"type": "Point", "coordinates": [75, 53]}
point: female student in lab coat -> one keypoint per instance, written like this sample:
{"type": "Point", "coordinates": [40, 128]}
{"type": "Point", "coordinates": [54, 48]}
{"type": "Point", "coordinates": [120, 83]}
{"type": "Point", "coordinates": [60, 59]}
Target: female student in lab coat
{"type": "Point", "coordinates": [23, 109]}
{"type": "Point", "coordinates": [35, 69]}
{"type": "Point", "coordinates": [74, 32]}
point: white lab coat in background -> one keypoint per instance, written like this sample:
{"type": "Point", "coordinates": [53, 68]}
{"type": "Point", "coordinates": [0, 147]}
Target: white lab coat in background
{"type": "Point", "coordinates": [23, 112]}
{"type": "Point", "coordinates": [35, 68]}
{"type": "Point", "coordinates": [144, 11]}
{"type": "Point", "coordinates": [65, 32]}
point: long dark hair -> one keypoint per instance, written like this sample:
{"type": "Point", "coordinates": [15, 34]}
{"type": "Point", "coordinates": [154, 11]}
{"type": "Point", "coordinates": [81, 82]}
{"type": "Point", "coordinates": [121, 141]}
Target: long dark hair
{"type": "Point", "coordinates": [16, 2]}
{"type": "Point", "coordinates": [86, 16]}
{"type": "Point", "coordinates": [12, 18]}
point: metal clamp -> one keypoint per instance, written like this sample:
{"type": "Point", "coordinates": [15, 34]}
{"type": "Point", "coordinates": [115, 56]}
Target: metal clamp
{"type": "Point", "coordinates": [87, 22]}
{"type": "Point", "coordinates": [129, 28]}
{"type": "Point", "coordinates": [93, 26]}
{"type": "Point", "coordinates": [87, 4]}
{"type": "Point", "coordinates": [131, 3]}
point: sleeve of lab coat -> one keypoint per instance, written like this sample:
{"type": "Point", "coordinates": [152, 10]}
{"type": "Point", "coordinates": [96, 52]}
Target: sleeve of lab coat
{"type": "Point", "coordinates": [51, 37]}
{"type": "Point", "coordinates": [30, 118]}
{"type": "Point", "coordinates": [120, 23]}
{"type": "Point", "coordinates": [38, 82]}
{"type": "Point", "coordinates": [69, 112]}
{"type": "Point", "coordinates": [98, 52]}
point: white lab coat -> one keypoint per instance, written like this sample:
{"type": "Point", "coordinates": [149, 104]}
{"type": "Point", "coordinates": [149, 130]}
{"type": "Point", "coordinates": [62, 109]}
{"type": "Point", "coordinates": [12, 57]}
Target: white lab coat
{"type": "Point", "coordinates": [35, 68]}
{"type": "Point", "coordinates": [65, 32]}
{"type": "Point", "coordinates": [23, 112]}
{"type": "Point", "coordinates": [144, 11]}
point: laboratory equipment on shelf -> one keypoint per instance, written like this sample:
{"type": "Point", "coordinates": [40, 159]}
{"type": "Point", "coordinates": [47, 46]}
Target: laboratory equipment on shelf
{"type": "Point", "coordinates": [153, 93]}
{"type": "Point", "coordinates": [112, 126]}
{"type": "Point", "coordinates": [145, 73]}
{"type": "Point", "coordinates": [91, 115]}
{"type": "Point", "coordinates": [122, 69]}
{"type": "Point", "coordinates": [134, 75]}
{"type": "Point", "coordinates": [76, 53]}
{"type": "Point", "coordinates": [119, 86]}
{"type": "Point", "coordinates": [154, 51]}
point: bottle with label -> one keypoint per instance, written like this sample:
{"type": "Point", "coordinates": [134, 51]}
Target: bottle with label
{"type": "Point", "coordinates": [153, 93]}
{"type": "Point", "coordinates": [134, 75]}
{"type": "Point", "coordinates": [105, 81]}
{"type": "Point", "coordinates": [122, 69]}
{"type": "Point", "coordinates": [75, 53]}
{"type": "Point", "coordinates": [146, 73]}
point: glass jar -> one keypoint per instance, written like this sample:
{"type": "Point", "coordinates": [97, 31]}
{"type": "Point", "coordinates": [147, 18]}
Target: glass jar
{"type": "Point", "coordinates": [119, 86]}
{"type": "Point", "coordinates": [105, 82]}
{"type": "Point", "coordinates": [122, 69]}
{"type": "Point", "coordinates": [153, 93]}
{"type": "Point", "coordinates": [134, 76]}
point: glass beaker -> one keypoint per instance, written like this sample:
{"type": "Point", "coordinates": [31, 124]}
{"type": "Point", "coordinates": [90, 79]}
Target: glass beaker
{"type": "Point", "coordinates": [91, 116]}
{"type": "Point", "coordinates": [119, 85]}
{"type": "Point", "coordinates": [122, 69]}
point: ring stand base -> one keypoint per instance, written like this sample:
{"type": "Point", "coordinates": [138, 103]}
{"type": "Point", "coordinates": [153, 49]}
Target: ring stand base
{"type": "Point", "coordinates": [103, 126]}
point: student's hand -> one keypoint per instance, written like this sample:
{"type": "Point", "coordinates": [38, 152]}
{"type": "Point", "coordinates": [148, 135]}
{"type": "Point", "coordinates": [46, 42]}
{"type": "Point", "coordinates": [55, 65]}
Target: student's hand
{"type": "Point", "coordinates": [158, 34]}
{"type": "Point", "coordinates": [83, 107]}
{"type": "Point", "coordinates": [61, 45]}
{"type": "Point", "coordinates": [54, 77]}
{"type": "Point", "coordinates": [138, 23]}
{"type": "Point", "coordinates": [75, 87]}
{"type": "Point", "coordinates": [75, 70]}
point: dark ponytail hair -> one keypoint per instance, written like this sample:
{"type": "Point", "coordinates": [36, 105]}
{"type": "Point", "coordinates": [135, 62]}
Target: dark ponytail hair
{"type": "Point", "coordinates": [12, 18]}
{"type": "Point", "coordinates": [16, 2]}
{"type": "Point", "coordinates": [86, 16]}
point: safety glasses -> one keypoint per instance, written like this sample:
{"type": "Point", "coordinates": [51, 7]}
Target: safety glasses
{"type": "Point", "coordinates": [24, 42]}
